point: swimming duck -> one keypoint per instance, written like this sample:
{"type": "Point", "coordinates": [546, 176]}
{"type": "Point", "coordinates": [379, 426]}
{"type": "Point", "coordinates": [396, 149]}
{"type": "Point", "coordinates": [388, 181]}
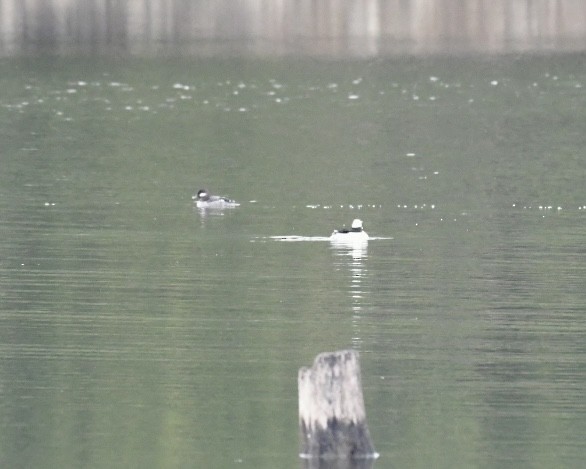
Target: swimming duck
{"type": "Point", "coordinates": [203, 199]}
{"type": "Point", "coordinates": [355, 233]}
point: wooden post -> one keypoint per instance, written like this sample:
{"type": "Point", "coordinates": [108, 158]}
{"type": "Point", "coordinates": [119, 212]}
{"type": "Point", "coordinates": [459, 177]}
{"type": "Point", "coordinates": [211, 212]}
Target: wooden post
{"type": "Point", "coordinates": [332, 419]}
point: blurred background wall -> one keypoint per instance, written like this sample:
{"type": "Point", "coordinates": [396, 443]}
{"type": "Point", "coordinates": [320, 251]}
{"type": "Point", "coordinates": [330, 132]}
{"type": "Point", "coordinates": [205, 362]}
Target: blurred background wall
{"type": "Point", "coordinates": [285, 27]}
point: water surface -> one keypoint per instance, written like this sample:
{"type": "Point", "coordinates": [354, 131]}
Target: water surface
{"type": "Point", "coordinates": [137, 331]}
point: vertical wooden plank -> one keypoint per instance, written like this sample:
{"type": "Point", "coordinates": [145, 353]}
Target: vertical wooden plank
{"type": "Point", "coordinates": [332, 419]}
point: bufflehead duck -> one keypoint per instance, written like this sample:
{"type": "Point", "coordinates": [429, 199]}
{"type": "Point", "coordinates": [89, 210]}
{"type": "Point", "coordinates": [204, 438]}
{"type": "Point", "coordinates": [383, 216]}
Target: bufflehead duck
{"type": "Point", "coordinates": [356, 233]}
{"type": "Point", "coordinates": [203, 199]}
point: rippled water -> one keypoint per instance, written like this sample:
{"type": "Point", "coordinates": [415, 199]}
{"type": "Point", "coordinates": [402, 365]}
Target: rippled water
{"type": "Point", "coordinates": [139, 331]}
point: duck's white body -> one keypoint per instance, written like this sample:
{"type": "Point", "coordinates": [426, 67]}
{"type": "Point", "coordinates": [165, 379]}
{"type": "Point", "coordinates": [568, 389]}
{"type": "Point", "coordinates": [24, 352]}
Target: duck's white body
{"type": "Point", "coordinates": [349, 236]}
{"type": "Point", "coordinates": [204, 200]}
{"type": "Point", "coordinates": [354, 235]}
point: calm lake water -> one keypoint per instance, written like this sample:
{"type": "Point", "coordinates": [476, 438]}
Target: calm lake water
{"type": "Point", "coordinates": [137, 331]}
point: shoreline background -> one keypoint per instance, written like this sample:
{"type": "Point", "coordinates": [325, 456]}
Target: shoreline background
{"type": "Point", "coordinates": [277, 28]}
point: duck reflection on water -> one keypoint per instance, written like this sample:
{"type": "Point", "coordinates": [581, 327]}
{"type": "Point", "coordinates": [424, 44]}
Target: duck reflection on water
{"type": "Point", "coordinates": [354, 239]}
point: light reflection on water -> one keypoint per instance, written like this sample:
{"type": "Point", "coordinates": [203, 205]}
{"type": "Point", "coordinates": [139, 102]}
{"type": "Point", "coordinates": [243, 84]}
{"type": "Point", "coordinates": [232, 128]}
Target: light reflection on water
{"type": "Point", "coordinates": [353, 257]}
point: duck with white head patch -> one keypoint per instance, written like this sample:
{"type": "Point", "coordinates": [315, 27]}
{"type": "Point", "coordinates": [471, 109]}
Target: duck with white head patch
{"type": "Point", "coordinates": [203, 199]}
{"type": "Point", "coordinates": [355, 233]}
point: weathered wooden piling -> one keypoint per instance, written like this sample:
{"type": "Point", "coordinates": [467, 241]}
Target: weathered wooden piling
{"type": "Point", "coordinates": [332, 419]}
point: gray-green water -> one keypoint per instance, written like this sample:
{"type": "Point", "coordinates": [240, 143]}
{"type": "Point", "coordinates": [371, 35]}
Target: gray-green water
{"type": "Point", "coordinates": [136, 331]}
